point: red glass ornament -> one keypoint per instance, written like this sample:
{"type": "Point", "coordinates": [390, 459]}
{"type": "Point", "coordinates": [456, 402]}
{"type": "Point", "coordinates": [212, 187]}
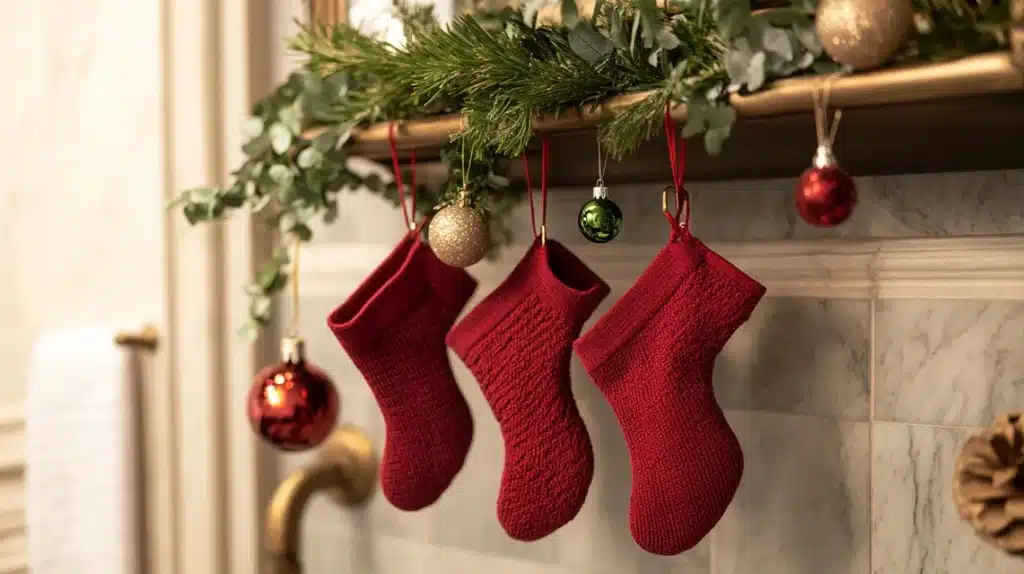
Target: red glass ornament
{"type": "Point", "coordinates": [293, 405]}
{"type": "Point", "coordinates": [825, 195]}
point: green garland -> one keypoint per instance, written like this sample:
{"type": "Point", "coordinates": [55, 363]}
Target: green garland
{"type": "Point", "coordinates": [501, 70]}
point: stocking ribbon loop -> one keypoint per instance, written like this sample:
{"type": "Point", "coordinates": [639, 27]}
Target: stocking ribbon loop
{"type": "Point", "coordinates": [543, 192]}
{"type": "Point", "coordinates": [679, 220]}
{"type": "Point", "coordinates": [408, 208]}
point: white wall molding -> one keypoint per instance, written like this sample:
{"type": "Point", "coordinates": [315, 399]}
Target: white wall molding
{"type": "Point", "coordinates": [931, 268]}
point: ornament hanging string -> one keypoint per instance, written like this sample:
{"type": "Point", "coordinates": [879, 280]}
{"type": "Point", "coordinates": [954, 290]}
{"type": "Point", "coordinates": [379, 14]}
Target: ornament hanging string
{"type": "Point", "coordinates": [826, 133]}
{"type": "Point", "coordinates": [408, 211]}
{"type": "Point", "coordinates": [680, 220]}
{"type": "Point", "coordinates": [293, 330]}
{"type": "Point", "coordinates": [543, 192]}
{"type": "Point", "coordinates": [602, 162]}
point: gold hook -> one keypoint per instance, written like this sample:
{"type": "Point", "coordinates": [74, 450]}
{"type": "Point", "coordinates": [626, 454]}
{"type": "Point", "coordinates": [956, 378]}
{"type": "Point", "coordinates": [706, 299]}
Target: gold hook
{"type": "Point", "coordinates": [670, 189]}
{"type": "Point", "coordinates": [543, 234]}
{"type": "Point", "coordinates": [147, 338]}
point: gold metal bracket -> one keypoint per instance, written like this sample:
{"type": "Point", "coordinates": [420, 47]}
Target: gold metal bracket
{"type": "Point", "coordinates": [346, 470]}
{"type": "Point", "coordinates": [148, 338]}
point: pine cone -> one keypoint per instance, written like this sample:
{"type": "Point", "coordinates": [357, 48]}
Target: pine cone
{"type": "Point", "coordinates": [988, 486]}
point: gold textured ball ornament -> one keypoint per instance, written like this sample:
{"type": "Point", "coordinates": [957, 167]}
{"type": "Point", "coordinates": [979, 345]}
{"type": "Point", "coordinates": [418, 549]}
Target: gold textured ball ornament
{"type": "Point", "coordinates": [458, 235]}
{"type": "Point", "coordinates": [863, 34]}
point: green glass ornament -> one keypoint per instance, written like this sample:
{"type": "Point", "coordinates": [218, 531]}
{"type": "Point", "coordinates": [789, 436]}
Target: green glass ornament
{"type": "Point", "coordinates": [600, 219]}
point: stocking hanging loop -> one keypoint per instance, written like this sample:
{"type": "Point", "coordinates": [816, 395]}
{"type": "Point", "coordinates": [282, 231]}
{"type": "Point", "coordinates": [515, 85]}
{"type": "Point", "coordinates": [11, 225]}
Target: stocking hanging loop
{"type": "Point", "coordinates": [408, 208]}
{"type": "Point", "coordinates": [543, 234]}
{"type": "Point", "coordinates": [680, 218]}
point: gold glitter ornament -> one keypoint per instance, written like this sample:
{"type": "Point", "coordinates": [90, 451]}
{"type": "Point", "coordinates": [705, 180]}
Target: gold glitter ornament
{"type": "Point", "coordinates": [863, 34]}
{"type": "Point", "coordinates": [458, 235]}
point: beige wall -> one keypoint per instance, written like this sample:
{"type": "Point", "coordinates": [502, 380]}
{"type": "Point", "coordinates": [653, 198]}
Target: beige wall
{"type": "Point", "coordinates": [80, 192]}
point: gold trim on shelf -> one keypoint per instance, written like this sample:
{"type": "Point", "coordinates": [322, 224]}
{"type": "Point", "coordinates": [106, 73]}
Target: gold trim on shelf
{"type": "Point", "coordinates": [1017, 33]}
{"type": "Point", "coordinates": [148, 338]}
{"type": "Point", "coordinates": [971, 76]}
{"type": "Point", "coordinates": [347, 470]}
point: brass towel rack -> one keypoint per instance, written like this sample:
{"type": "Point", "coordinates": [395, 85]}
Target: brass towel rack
{"type": "Point", "coordinates": [147, 338]}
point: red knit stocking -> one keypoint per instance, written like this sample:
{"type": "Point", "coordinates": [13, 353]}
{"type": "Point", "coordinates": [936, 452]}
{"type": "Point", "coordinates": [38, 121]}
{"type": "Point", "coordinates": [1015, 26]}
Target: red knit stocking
{"type": "Point", "coordinates": [652, 356]}
{"type": "Point", "coordinates": [393, 327]}
{"type": "Point", "coordinates": [517, 343]}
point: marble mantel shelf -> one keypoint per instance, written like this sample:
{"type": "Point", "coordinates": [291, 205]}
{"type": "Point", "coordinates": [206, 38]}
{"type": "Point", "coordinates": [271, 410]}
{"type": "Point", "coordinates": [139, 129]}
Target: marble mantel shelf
{"type": "Point", "coordinates": [962, 115]}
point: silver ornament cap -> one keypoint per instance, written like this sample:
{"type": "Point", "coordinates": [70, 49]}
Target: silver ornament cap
{"type": "Point", "coordinates": [824, 157]}
{"type": "Point", "coordinates": [293, 350]}
{"type": "Point", "coordinates": [600, 191]}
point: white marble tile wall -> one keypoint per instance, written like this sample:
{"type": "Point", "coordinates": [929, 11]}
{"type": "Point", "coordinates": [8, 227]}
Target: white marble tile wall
{"type": "Point", "coordinates": [850, 412]}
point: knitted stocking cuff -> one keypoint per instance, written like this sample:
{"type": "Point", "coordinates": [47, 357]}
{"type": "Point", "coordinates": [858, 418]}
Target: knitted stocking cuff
{"type": "Point", "coordinates": [398, 285]}
{"type": "Point", "coordinates": [681, 264]}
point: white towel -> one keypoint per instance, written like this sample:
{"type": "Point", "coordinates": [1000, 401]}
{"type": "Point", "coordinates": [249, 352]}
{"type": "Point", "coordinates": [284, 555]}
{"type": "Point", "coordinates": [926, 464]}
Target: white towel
{"type": "Point", "coordinates": [82, 477]}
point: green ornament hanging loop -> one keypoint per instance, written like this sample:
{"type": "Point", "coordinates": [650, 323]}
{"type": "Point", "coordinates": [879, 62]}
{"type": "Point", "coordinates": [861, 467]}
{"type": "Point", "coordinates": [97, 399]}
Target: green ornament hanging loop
{"type": "Point", "coordinates": [600, 219]}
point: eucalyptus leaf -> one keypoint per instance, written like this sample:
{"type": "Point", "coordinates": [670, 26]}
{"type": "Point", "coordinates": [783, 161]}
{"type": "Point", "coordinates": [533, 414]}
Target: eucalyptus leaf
{"type": "Point", "coordinates": [713, 140]}
{"type": "Point", "coordinates": [252, 128]}
{"type": "Point", "coordinates": [280, 138]}
{"type": "Point", "coordinates": [805, 61]}
{"type": "Point", "coordinates": [268, 275]}
{"type": "Point", "coordinates": [588, 43]}
{"type": "Point", "coordinates": [652, 59]}
{"type": "Point", "coordinates": [309, 158]}
{"type": "Point", "coordinates": [282, 175]}
{"type": "Point", "coordinates": [693, 127]}
{"type": "Point", "coordinates": [257, 147]}
{"type": "Point", "coordinates": [292, 116]}
{"type": "Point", "coordinates": [667, 39]}
{"type": "Point", "coordinates": [201, 194]}
{"type": "Point", "coordinates": [756, 72]}
{"type": "Point", "coordinates": [808, 37]}
{"type": "Point", "coordinates": [732, 16]}
{"type": "Point", "coordinates": [776, 41]}
{"type": "Point", "coordinates": [374, 183]}
{"type": "Point", "coordinates": [720, 117]}
{"type": "Point", "coordinates": [737, 65]}
{"type": "Point", "coordinates": [194, 213]}
{"type": "Point", "coordinates": [250, 330]}
{"type": "Point", "coordinates": [261, 203]}
{"type": "Point", "coordinates": [331, 213]}
{"type": "Point", "coordinates": [233, 197]}
{"type": "Point", "coordinates": [260, 306]}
